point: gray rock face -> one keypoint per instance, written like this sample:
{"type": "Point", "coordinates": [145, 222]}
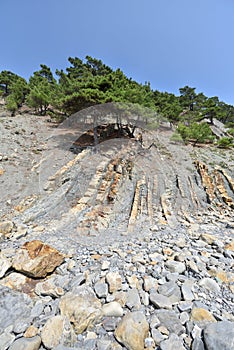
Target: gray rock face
{"type": "Point", "coordinates": [26, 344]}
{"type": "Point", "coordinates": [14, 307]}
{"type": "Point", "coordinates": [170, 320]}
{"type": "Point", "coordinates": [219, 336]}
{"type": "Point", "coordinates": [172, 343]}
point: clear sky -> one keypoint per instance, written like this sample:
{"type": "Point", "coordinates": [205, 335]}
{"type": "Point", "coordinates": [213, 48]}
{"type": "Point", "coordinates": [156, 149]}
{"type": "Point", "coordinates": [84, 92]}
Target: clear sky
{"type": "Point", "coordinates": [171, 43]}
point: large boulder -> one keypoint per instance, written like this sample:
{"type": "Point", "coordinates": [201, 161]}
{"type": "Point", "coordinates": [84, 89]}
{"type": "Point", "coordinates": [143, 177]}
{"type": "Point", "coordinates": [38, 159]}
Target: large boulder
{"type": "Point", "coordinates": [37, 259]}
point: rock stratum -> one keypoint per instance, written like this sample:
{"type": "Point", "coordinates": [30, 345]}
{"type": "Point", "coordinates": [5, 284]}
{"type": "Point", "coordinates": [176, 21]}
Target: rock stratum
{"type": "Point", "coordinates": [126, 245]}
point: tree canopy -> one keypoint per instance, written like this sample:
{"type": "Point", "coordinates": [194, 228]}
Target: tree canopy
{"type": "Point", "coordinates": [89, 82]}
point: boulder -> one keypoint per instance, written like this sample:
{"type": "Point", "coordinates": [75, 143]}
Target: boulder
{"type": "Point", "coordinates": [57, 330]}
{"type": "Point", "coordinates": [82, 308]}
{"type": "Point", "coordinates": [37, 259]}
{"type": "Point", "coordinates": [219, 336]}
{"type": "Point", "coordinates": [132, 330]}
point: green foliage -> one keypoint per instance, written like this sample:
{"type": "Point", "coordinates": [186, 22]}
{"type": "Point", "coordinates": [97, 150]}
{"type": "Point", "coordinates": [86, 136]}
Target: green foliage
{"type": "Point", "coordinates": [39, 96]}
{"type": "Point", "coordinates": [7, 78]}
{"type": "Point", "coordinates": [225, 142]}
{"type": "Point", "coordinates": [11, 104]}
{"type": "Point", "coordinates": [90, 82]}
{"type": "Point", "coordinates": [231, 132]}
{"type": "Point", "coordinates": [196, 132]}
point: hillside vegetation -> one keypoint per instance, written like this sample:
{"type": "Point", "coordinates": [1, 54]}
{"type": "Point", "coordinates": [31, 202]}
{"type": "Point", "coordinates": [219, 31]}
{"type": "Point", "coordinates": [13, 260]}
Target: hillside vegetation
{"type": "Point", "coordinates": [91, 82]}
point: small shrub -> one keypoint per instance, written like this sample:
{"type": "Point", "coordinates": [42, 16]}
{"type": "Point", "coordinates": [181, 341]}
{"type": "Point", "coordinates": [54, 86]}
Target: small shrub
{"type": "Point", "coordinates": [225, 142]}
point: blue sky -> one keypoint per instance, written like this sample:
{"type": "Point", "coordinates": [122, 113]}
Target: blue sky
{"type": "Point", "coordinates": [171, 43]}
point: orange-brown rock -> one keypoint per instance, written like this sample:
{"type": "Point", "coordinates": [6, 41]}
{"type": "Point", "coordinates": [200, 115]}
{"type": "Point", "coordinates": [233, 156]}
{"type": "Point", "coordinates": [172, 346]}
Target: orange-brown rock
{"type": "Point", "coordinates": [37, 259]}
{"type": "Point", "coordinates": [201, 315]}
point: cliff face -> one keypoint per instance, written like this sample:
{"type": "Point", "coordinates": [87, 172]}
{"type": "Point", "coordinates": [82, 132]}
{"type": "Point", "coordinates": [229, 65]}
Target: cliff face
{"type": "Point", "coordinates": [128, 244]}
{"type": "Point", "coordinates": [123, 183]}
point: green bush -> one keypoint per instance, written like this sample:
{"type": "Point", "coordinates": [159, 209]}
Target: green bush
{"type": "Point", "coordinates": [225, 142]}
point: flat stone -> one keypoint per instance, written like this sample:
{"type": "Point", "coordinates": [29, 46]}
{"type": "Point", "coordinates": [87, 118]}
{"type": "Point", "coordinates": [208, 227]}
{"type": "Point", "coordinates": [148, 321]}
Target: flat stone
{"type": "Point", "coordinates": [82, 308]}
{"type": "Point", "coordinates": [14, 307]}
{"type": "Point", "coordinates": [6, 227]}
{"type": "Point", "coordinates": [31, 331]}
{"type": "Point", "coordinates": [112, 309]}
{"type": "Point", "coordinates": [26, 344]}
{"type": "Point", "coordinates": [114, 281]}
{"type": "Point", "coordinates": [186, 290]}
{"type": "Point", "coordinates": [36, 259]}
{"type": "Point", "coordinates": [6, 339]}
{"type": "Point", "coordinates": [149, 283]}
{"type": "Point", "coordinates": [160, 301]}
{"type": "Point", "coordinates": [133, 299]}
{"type": "Point", "coordinates": [198, 344]}
{"type": "Point", "coordinates": [53, 332]}
{"type": "Point", "coordinates": [170, 290]}
{"type": "Point", "coordinates": [132, 330]}
{"type": "Point", "coordinates": [201, 315]}
{"type": "Point", "coordinates": [48, 287]}
{"type": "Point", "coordinates": [5, 264]}
{"type": "Point", "coordinates": [175, 266]}
{"type": "Point", "coordinates": [101, 289]}
{"type": "Point", "coordinates": [157, 336]}
{"type": "Point", "coordinates": [172, 343]}
{"type": "Point", "coordinates": [209, 284]}
{"type": "Point", "coordinates": [170, 320]}
{"type": "Point", "coordinates": [219, 336]}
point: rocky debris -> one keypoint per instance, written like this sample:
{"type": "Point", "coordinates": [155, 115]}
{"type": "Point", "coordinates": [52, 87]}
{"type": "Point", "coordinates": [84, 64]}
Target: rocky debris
{"type": "Point", "coordinates": [137, 253]}
{"type": "Point", "coordinates": [131, 296]}
{"type": "Point", "coordinates": [36, 259]}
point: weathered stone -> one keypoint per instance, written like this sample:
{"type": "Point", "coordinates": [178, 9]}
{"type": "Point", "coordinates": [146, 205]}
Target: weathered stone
{"type": "Point", "coordinates": [37, 259]}
{"type": "Point", "coordinates": [186, 290]}
{"type": "Point", "coordinates": [57, 330]}
{"type": "Point", "coordinates": [101, 289]}
{"type": "Point", "coordinates": [207, 238]}
{"type": "Point", "coordinates": [175, 266]}
{"type": "Point", "coordinates": [114, 281]}
{"type": "Point", "coordinates": [160, 301]}
{"type": "Point", "coordinates": [112, 309]}
{"type": "Point", "coordinates": [170, 290]}
{"type": "Point", "coordinates": [132, 330]}
{"type": "Point", "coordinates": [6, 339]}
{"type": "Point", "coordinates": [82, 308]}
{"type": "Point", "coordinates": [26, 344]}
{"type": "Point", "coordinates": [209, 284]}
{"type": "Point", "coordinates": [14, 307]}
{"type": "Point", "coordinates": [133, 281]}
{"type": "Point", "coordinates": [105, 265]}
{"type": "Point", "coordinates": [157, 336]}
{"type": "Point", "coordinates": [48, 287]}
{"type": "Point", "coordinates": [31, 331]}
{"type": "Point", "coordinates": [201, 315]}
{"type": "Point", "coordinates": [6, 227]}
{"type": "Point", "coordinates": [230, 246]}
{"type": "Point", "coordinates": [133, 299]}
{"type": "Point", "coordinates": [170, 320]}
{"type": "Point", "coordinates": [5, 264]}
{"type": "Point", "coordinates": [219, 336]}
{"type": "Point", "coordinates": [172, 343]}
{"type": "Point", "coordinates": [149, 283]}
{"type": "Point", "coordinates": [14, 281]}
{"type": "Point", "coordinates": [198, 344]}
